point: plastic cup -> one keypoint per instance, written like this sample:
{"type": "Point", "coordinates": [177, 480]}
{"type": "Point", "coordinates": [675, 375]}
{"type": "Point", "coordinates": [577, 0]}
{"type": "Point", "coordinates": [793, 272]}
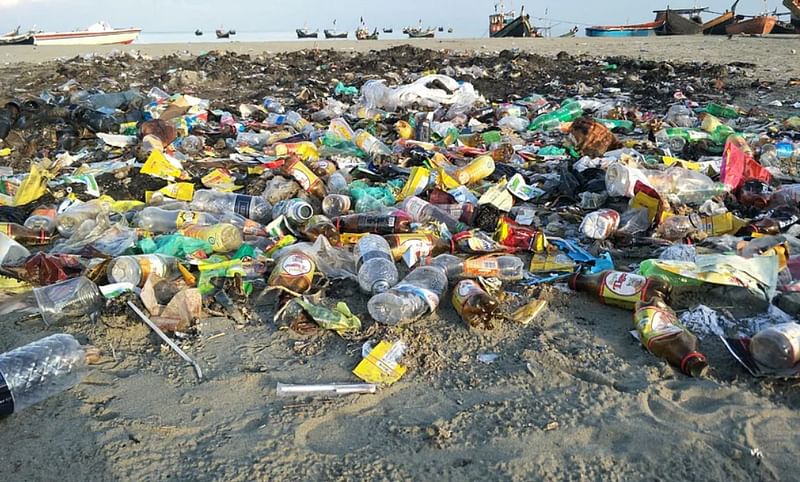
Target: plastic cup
{"type": "Point", "coordinates": [72, 299]}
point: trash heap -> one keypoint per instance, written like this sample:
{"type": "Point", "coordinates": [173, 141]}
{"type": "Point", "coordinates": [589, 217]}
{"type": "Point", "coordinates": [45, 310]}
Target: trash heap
{"type": "Point", "coordinates": [168, 207]}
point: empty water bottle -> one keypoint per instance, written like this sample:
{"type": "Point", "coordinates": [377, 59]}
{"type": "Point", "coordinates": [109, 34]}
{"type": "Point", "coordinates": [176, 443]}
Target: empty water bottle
{"type": "Point", "coordinates": [375, 266]}
{"type": "Point", "coordinates": [273, 105]}
{"type": "Point", "coordinates": [412, 298]}
{"type": "Point", "coordinates": [295, 210]}
{"type": "Point", "coordinates": [252, 207]}
{"type": "Point", "coordinates": [39, 370]}
{"type": "Point", "coordinates": [42, 218]}
{"type": "Point", "coordinates": [336, 204]}
{"type": "Point", "coordinates": [422, 212]}
{"type": "Point", "coordinates": [159, 220]}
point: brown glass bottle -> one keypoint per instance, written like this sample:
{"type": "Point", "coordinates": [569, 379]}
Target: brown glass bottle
{"type": "Point", "coordinates": [391, 223]}
{"type": "Point", "coordinates": [620, 289]}
{"type": "Point", "coordinates": [304, 176]}
{"type": "Point", "coordinates": [294, 272]}
{"type": "Point", "coordinates": [664, 336]}
{"type": "Point", "coordinates": [425, 244]}
{"type": "Point", "coordinates": [26, 236]}
{"type": "Point", "coordinates": [474, 305]}
{"type": "Point", "coordinates": [320, 225]}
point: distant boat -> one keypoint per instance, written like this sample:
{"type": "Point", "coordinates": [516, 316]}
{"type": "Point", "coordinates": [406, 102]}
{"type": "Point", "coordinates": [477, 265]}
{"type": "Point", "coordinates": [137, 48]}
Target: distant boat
{"type": "Point", "coordinates": [16, 38]}
{"type": "Point", "coordinates": [450, 30]}
{"type": "Point", "coordinates": [440, 29]}
{"type": "Point", "coordinates": [221, 34]}
{"type": "Point", "coordinates": [306, 33]}
{"type": "Point", "coordinates": [638, 30]}
{"type": "Point", "coordinates": [98, 34]}
{"type": "Point", "coordinates": [504, 24]}
{"type": "Point", "coordinates": [414, 32]}
{"type": "Point", "coordinates": [329, 33]}
{"type": "Point", "coordinates": [363, 34]}
{"type": "Point", "coordinates": [198, 32]}
{"type": "Point", "coordinates": [570, 33]}
{"type": "Point", "coordinates": [388, 30]}
{"type": "Point", "coordinates": [758, 25]}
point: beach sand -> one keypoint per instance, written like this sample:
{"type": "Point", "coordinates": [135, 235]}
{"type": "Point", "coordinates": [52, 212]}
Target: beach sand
{"type": "Point", "coordinates": [570, 397]}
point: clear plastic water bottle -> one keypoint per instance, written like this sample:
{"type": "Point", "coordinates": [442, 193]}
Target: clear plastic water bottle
{"type": "Point", "coordinates": [412, 298]}
{"type": "Point", "coordinates": [375, 266]}
{"type": "Point", "coordinates": [295, 210]}
{"type": "Point", "coordinates": [72, 218]}
{"type": "Point", "coordinates": [275, 120]}
{"type": "Point", "coordinates": [159, 220]}
{"type": "Point", "coordinates": [371, 144]}
{"type": "Point", "coordinates": [422, 212]}
{"type": "Point", "coordinates": [42, 218]}
{"type": "Point", "coordinates": [39, 370]}
{"type": "Point", "coordinates": [338, 183]}
{"type": "Point", "coordinates": [778, 346]}
{"type": "Point", "coordinates": [336, 204]}
{"type": "Point", "coordinates": [273, 105]}
{"type": "Point", "coordinates": [252, 207]}
{"type": "Point", "coordinates": [299, 123]}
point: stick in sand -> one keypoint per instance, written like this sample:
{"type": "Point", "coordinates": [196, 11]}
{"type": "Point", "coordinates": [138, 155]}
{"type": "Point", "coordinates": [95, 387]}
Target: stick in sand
{"type": "Point", "coordinates": [166, 339]}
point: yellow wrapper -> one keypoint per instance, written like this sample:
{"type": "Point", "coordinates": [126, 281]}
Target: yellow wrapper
{"type": "Point", "coordinates": [182, 191]}
{"type": "Point", "coordinates": [416, 184]}
{"type": "Point", "coordinates": [158, 165]}
{"type": "Point", "coordinates": [380, 366]}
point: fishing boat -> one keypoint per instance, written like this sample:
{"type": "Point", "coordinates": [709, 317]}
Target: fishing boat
{"type": "Point", "coordinates": [450, 30]}
{"type": "Point", "coordinates": [363, 34]}
{"type": "Point", "coordinates": [330, 33]}
{"type": "Point", "coordinates": [16, 38]}
{"type": "Point", "coordinates": [683, 21]}
{"type": "Point", "coordinates": [794, 8]}
{"type": "Point", "coordinates": [222, 34]}
{"type": "Point", "coordinates": [507, 24]}
{"type": "Point", "coordinates": [782, 27]}
{"type": "Point", "coordinates": [388, 30]}
{"type": "Point", "coordinates": [570, 33]}
{"type": "Point", "coordinates": [306, 33]}
{"type": "Point", "coordinates": [98, 34]}
{"type": "Point", "coordinates": [638, 30]}
{"type": "Point", "coordinates": [198, 33]}
{"type": "Point", "coordinates": [757, 25]}
{"type": "Point", "coordinates": [717, 26]}
{"type": "Point", "coordinates": [414, 32]}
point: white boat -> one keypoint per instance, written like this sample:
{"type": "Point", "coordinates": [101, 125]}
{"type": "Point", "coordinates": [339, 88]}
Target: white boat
{"type": "Point", "coordinates": [98, 34]}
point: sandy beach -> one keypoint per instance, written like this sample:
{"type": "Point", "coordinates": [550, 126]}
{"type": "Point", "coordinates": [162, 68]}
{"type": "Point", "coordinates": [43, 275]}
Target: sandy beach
{"type": "Point", "coordinates": [572, 396]}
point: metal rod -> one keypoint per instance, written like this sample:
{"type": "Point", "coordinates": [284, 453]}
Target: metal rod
{"type": "Point", "coordinates": [167, 340]}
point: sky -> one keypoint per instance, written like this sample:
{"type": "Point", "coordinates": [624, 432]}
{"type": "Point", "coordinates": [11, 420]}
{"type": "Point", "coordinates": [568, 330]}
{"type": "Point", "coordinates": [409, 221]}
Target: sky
{"type": "Point", "coordinates": [468, 17]}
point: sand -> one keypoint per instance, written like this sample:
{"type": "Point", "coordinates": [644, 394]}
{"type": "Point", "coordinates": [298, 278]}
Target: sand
{"type": "Point", "coordinates": [570, 397]}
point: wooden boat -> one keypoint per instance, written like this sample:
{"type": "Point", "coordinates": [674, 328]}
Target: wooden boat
{"type": "Point", "coordinates": [570, 33]}
{"type": "Point", "coordinates": [450, 30]}
{"type": "Point", "coordinates": [783, 28]}
{"type": "Point", "coordinates": [794, 8]}
{"type": "Point", "coordinates": [717, 26]}
{"type": "Point", "coordinates": [504, 24]}
{"type": "Point", "coordinates": [222, 34]}
{"type": "Point", "coordinates": [440, 29]}
{"type": "Point", "coordinates": [329, 33]}
{"type": "Point", "coordinates": [685, 21]}
{"type": "Point", "coordinates": [363, 34]}
{"type": "Point", "coordinates": [97, 34]}
{"type": "Point", "coordinates": [420, 33]}
{"type": "Point", "coordinates": [306, 33]}
{"type": "Point", "coordinates": [638, 30]}
{"type": "Point", "coordinates": [198, 33]}
{"type": "Point", "coordinates": [16, 38]}
{"type": "Point", "coordinates": [388, 30]}
{"type": "Point", "coordinates": [758, 25]}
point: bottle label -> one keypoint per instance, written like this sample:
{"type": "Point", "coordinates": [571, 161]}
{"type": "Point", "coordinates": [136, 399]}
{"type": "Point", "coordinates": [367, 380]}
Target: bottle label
{"type": "Point", "coordinates": [303, 175]}
{"type": "Point", "coordinates": [372, 255]}
{"type": "Point", "coordinates": [429, 297]}
{"type": "Point", "coordinates": [6, 399]}
{"type": "Point", "coordinates": [414, 207]}
{"type": "Point", "coordinates": [5, 228]}
{"type": "Point", "coordinates": [485, 266]}
{"type": "Point", "coordinates": [419, 244]}
{"type": "Point", "coordinates": [241, 205]}
{"type": "Point", "coordinates": [151, 264]}
{"type": "Point", "coordinates": [44, 211]}
{"type": "Point", "coordinates": [622, 289]}
{"type": "Point", "coordinates": [297, 265]}
{"type": "Point", "coordinates": [376, 224]}
{"type": "Point", "coordinates": [463, 291]}
{"type": "Point", "coordinates": [653, 323]}
{"type": "Point", "coordinates": [187, 217]}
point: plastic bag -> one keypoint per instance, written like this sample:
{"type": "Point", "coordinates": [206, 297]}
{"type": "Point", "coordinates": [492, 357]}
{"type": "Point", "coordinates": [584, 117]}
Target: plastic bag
{"type": "Point", "coordinates": [375, 94]}
{"type": "Point", "coordinates": [174, 245]}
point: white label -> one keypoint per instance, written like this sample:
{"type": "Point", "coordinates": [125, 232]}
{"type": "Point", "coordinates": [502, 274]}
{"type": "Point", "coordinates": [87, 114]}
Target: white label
{"type": "Point", "coordinates": [296, 265]}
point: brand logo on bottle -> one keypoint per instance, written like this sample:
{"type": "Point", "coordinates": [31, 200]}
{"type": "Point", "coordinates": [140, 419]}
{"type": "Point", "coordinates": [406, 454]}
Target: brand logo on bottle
{"type": "Point", "coordinates": [241, 205]}
{"type": "Point", "coordinates": [625, 284]}
{"type": "Point", "coordinates": [297, 265]}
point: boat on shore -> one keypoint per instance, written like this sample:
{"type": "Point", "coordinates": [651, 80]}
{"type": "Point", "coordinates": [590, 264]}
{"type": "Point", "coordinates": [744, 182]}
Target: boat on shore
{"type": "Point", "coordinates": [330, 33]}
{"type": "Point", "coordinates": [637, 30]}
{"type": "Point", "coordinates": [388, 30]}
{"type": "Point", "coordinates": [504, 24]}
{"type": "Point", "coordinates": [306, 33]}
{"type": "Point", "coordinates": [16, 38]}
{"type": "Point", "coordinates": [569, 33]}
{"type": "Point", "coordinates": [684, 21]}
{"type": "Point", "coordinates": [363, 34]}
{"type": "Point", "coordinates": [416, 32]}
{"type": "Point", "coordinates": [717, 26]}
{"type": "Point", "coordinates": [97, 34]}
{"type": "Point", "coordinates": [758, 25]}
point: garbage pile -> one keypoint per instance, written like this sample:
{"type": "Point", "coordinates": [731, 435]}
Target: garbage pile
{"type": "Point", "coordinates": [420, 189]}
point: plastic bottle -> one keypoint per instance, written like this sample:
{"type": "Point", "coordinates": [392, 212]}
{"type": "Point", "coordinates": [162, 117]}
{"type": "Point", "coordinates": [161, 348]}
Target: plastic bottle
{"type": "Point", "coordinates": [339, 183]}
{"type": "Point", "coordinates": [723, 111]}
{"type": "Point", "coordinates": [568, 112]}
{"type": "Point", "coordinates": [664, 336]}
{"type": "Point", "coordinates": [192, 145]}
{"type": "Point", "coordinates": [273, 105]}
{"type": "Point", "coordinates": [296, 210]}
{"type": "Point", "coordinates": [72, 218]}
{"type": "Point", "coordinates": [778, 346]}
{"type": "Point", "coordinates": [304, 176]}
{"type": "Point", "coordinates": [300, 125]}
{"type": "Point", "coordinates": [320, 225]}
{"type": "Point", "coordinates": [252, 207]}
{"type": "Point", "coordinates": [620, 289]}
{"type": "Point", "coordinates": [422, 211]}
{"type": "Point", "coordinates": [25, 236]}
{"type": "Point", "coordinates": [42, 218]}
{"type": "Point", "coordinates": [136, 269]}
{"type": "Point", "coordinates": [39, 370]}
{"type": "Point", "coordinates": [222, 237]}
{"type": "Point", "coordinates": [675, 228]}
{"type": "Point", "coordinates": [68, 300]}
{"type": "Point", "coordinates": [375, 265]}
{"type": "Point", "coordinates": [423, 244]}
{"type": "Point", "coordinates": [412, 298]}
{"type": "Point", "coordinates": [505, 268]}
{"type": "Point", "coordinates": [600, 224]}
{"type": "Point", "coordinates": [275, 120]}
{"type": "Point", "coordinates": [371, 144]}
{"type": "Point", "coordinates": [680, 116]}
{"type": "Point", "coordinates": [475, 306]}
{"type": "Point", "coordinates": [157, 220]}
{"type": "Point", "coordinates": [293, 271]}
{"type": "Point", "coordinates": [380, 223]}
{"type": "Point", "coordinates": [621, 179]}
{"type": "Point", "coordinates": [650, 269]}
{"type": "Point", "coordinates": [336, 205]}
{"type": "Point", "coordinates": [478, 169]}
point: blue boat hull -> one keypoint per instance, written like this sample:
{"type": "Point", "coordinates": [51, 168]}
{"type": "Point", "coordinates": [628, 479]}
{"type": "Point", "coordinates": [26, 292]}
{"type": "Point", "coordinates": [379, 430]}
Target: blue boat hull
{"type": "Point", "coordinates": [595, 32]}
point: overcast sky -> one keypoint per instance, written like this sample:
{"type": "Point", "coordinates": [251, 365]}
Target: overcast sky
{"type": "Point", "coordinates": [468, 17]}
